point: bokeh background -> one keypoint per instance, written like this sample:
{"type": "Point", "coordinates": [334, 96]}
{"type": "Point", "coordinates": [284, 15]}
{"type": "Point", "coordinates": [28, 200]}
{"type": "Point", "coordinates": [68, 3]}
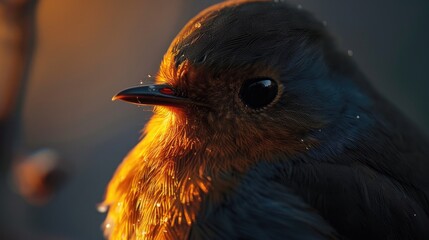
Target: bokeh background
{"type": "Point", "coordinates": [85, 51]}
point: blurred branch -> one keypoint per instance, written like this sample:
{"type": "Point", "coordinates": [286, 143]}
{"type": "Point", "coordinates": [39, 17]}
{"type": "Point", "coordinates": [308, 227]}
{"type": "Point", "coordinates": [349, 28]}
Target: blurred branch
{"type": "Point", "coordinates": [19, 19]}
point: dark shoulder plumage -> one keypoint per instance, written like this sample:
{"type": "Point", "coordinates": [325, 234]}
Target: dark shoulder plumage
{"type": "Point", "coordinates": [260, 208]}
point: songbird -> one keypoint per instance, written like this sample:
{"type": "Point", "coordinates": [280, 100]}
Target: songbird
{"type": "Point", "coordinates": [264, 129]}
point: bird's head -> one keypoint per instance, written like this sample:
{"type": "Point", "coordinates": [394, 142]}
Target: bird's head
{"type": "Point", "coordinates": [252, 79]}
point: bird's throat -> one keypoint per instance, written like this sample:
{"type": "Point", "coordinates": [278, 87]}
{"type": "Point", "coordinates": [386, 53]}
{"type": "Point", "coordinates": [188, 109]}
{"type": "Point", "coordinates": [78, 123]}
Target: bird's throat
{"type": "Point", "coordinates": [149, 195]}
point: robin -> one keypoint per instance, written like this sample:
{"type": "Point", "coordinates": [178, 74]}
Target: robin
{"type": "Point", "coordinates": [264, 129]}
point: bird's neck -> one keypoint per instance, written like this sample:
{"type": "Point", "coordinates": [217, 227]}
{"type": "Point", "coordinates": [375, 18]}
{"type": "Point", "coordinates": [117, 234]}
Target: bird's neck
{"type": "Point", "coordinates": [152, 194]}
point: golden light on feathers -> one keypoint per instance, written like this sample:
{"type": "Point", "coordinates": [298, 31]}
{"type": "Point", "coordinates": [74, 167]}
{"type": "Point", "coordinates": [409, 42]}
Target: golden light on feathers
{"type": "Point", "coordinates": [148, 196]}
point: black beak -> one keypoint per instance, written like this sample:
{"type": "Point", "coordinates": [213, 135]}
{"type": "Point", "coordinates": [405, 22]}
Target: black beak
{"type": "Point", "coordinates": [157, 94]}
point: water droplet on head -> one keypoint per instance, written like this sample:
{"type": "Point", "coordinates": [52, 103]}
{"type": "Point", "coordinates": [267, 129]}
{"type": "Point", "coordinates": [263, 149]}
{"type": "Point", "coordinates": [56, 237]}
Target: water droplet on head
{"type": "Point", "coordinates": [197, 25]}
{"type": "Point", "coordinates": [414, 214]}
{"type": "Point", "coordinates": [350, 53]}
{"type": "Point", "coordinates": [107, 225]}
{"type": "Point", "coordinates": [357, 116]}
{"type": "Point", "coordinates": [181, 58]}
{"type": "Point", "coordinates": [158, 204]}
{"type": "Point", "coordinates": [302, 140]}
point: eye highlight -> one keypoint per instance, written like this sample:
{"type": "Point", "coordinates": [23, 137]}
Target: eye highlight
{"type": "Point", "coordinates": [258, 92]}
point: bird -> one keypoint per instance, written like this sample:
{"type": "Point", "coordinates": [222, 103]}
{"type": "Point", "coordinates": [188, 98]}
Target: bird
{"type": "Point", "coordinates": [263, 128]}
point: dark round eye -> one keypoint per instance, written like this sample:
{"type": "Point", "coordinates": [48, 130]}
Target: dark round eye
{"type": "Point", "coordinates": [259, 92]}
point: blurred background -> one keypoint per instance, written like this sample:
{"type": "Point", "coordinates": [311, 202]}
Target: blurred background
{"type": "Point", "coordinates": [61, 62]}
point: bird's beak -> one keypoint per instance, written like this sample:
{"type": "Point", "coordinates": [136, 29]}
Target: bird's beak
{"type": "Point", "coordinates": [156, 94]}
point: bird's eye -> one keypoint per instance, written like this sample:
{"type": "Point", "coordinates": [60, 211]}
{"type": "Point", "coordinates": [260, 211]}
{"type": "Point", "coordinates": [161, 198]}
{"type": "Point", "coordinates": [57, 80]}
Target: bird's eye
{"type": "Point", "coordinates": [259, 92]}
